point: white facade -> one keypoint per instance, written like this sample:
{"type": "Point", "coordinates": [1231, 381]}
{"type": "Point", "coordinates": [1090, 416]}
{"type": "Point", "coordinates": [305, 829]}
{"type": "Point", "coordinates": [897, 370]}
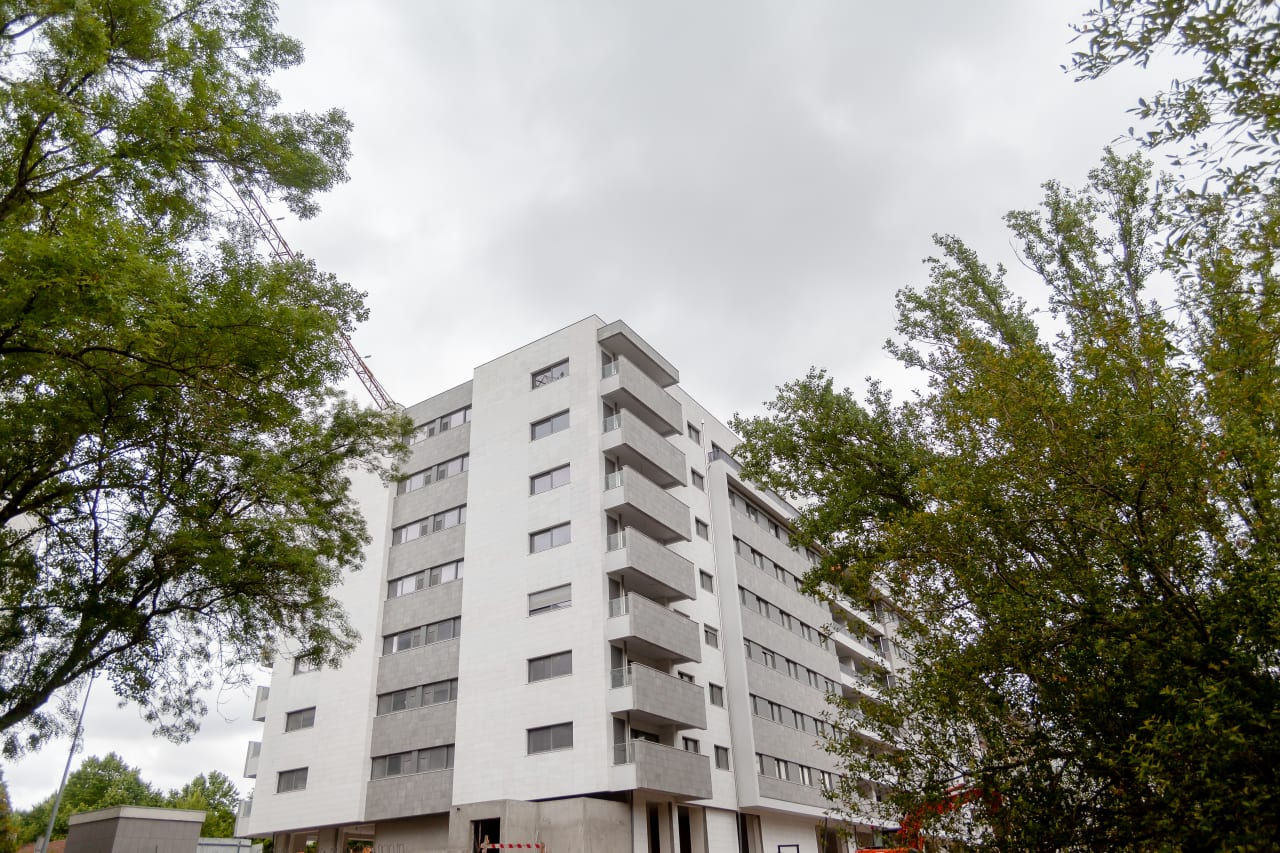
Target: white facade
{"type": "Point", "coordinates": [679, 645]}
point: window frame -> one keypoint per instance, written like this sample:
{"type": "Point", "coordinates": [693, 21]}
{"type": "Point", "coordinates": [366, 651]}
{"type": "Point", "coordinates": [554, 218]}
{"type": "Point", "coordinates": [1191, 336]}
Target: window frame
{"type": "Point", "coordinates": [722, 751]}
{"type": "Point", "coordinates": [549, 421]}
{"type": "Point", "coordinates": [711, 636]}
{"type": "Point", "coordinates": [552, 661]}
{"type": "Point", "coordinates": [715, 691]}
{"type": "Point", "coordinates": [551, 732]}
{"type": "Point", "coordinates": [291, 774]}
{"type": "Point", "coordinates": [550, 473]}
{"type": "Point", "coordinates": [547, 375]}
{"type": "Point", "coordinates": [707, 581]}
{"type": "Point", "coordinates": [548, 608]}
{"type": "Point", "coordinates": [305, 723]}
{"type": "Point", "coordinates": [701, 529]}
{"type": "Point", "coordinates": [553, 530]}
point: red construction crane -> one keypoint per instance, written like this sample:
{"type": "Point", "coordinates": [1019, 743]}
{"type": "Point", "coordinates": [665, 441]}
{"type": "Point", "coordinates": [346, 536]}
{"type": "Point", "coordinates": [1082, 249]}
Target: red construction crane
{"type": "Point", "coordinates": [280, 248]}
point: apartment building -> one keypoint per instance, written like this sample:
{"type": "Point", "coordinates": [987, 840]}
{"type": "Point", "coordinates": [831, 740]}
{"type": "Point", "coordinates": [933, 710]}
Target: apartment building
{"type": "Point", "coordinates": [581, 628]}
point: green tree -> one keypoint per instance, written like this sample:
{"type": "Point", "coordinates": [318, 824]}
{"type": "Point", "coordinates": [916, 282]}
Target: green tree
{"type": "Point", "coordinates": [98, 783]}
{"type": "Point", "coordinates": [1075, 519]}
{"type": "Point", "coordinates": [173, 462]}
{"type": "Point", "coordinates": [8, 823]}
{"type": "Point", "coordinates": [1228, 109]}
{"type": "Point", "coordinates": [214, 794]}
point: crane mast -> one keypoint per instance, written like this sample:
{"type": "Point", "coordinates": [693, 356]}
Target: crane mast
{"type": "Point", "coordinates": [280, 249]}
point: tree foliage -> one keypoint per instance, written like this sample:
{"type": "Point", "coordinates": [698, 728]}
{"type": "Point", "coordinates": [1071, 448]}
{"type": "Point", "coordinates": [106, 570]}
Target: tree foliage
{"type": "Point", "coordinates": [214, 794]}
{"type": "Point", "coordinates": [1076, 520]}
{"type": "Point", "coordinates": [1228, 110]}
{"type": "Point", "coordinates": [8, 824]}
{"type": "Point", "coordinates": [173, 462]}
{"type": "Point", "coordinates": [98, 783]}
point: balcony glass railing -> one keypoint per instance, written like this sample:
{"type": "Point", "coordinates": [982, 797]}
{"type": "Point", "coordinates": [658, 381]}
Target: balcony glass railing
{"type": "Point", "coordinates": [617, 607]}
{"type": "Point", "coordinates": [613, 481]}
{"type": "Point", "coordinates": [610, 368]}
{"type": "Point", "coordinates": [612, 422]}
{"type": "Point", "coordinates": [616, 541]}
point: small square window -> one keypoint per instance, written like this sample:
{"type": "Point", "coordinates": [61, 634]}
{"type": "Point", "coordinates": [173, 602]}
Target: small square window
{"type": "Point", "coordinates": [690, 744]}
{"type": "Point", "coordinates": [304, 719]}
{"type": "Point", "coordinates": [722, 758]}
{"type": "Point", "coordinates": [715, 695]}
{"type": "Point", "coordinates": [552, 537]}
{"type": "Point", "coordinates": [694, 433]}
{"type": "Point", "coordinates": [304, 665]}
{"type": "Point", "coordinates": [548, 480]}
{"type": "Point", "coordinates": [550, 666]}
{"type": "Point", "coordinates": [547, 375]}
{"type": "Point", "coordinates": [550, 599]}
{"type": "Point", "coordinates": [547, 426]}
{"type": "Point", "coordinates": [700, 527]}
{"type": "Point", "coordinates": [291, 780]}
{"type": "Point", "coordinates": [699, 482]}
{"type": "Point", "coordinates": [711, 636]}
{"type": "Point", "coordinates": [708, 582]}
{"type": "Point", "coordinates": [549, 738]}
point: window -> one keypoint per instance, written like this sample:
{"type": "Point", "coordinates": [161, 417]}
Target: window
{"type": "Point", "coordinates": [548, 480]}
{"type": "Point", "coordinates": [686, 676]}
{"type": "Point", "coordinates": [690, 744]}
{"type": "Point", "coordinates": [303, 665]}
{"type": "Point", "coordinates": [715, 693]}
{"type": "Point", "coordinates": [699, 482]}
{"type": "Point", "coordinates": [552, 537]}
{"type": "Point", "coordinates": [694, 433]}
{"type": "Point", "coordinates": [433, 576]}
{"type": "Point", "coordinates": [708, 582]}
{"type": "Point", "coordinates": [430, 524]}
{"type": "Point", "coordinates": [436, 693]}
{"type": "Point", "coordinates": [433, 474]}
{"type": "Point", "coordinates": [722, 758]}
{"type": "Point", "coordinates": [550, 666]}
{"type": "Point", "coordinates": [436, 632]}
{"type": "Point", "coordinates": [550, 738]}
{"type": "Point", "coordinates": [304, 719]}
{"type": "Point", "coordinates": [546, 426]}
{"type": "Point", "coordinates": [711, 636]}
{"type": "Point", "coordinates": [453, 420]}
{"type": "Point", "coordinates": [547, 375]}
{"type": "Point", "coordinates": [413, 761]}
{"type": "Point", "coordinates": [550, 599]}
{"type": "Point", "coordinates": [291, 780]}
{"type": "Point", "coordinates": [700, 527]}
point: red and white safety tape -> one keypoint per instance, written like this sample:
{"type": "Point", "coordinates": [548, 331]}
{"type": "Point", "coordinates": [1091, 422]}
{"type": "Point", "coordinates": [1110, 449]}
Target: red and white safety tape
{"type": "Point", "coordinates": [512, 847]}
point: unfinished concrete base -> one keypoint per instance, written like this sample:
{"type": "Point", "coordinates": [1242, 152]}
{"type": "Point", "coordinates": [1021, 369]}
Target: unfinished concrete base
{"type": "Point", "coordinates": [575, 825]}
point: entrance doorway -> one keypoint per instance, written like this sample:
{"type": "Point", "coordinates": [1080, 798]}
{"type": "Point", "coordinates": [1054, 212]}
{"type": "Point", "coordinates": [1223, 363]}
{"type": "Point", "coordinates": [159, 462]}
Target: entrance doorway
{"type": "Point", "coordinates": [487, 831]}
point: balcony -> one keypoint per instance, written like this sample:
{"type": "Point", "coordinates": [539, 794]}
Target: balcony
{"type": "Point", "coordinates": [246, 807]}
{"type": "Point", "coordinates": [635, 443]}
{"type": "Point", "coordinates": [640, 504]}
{"type": "Point", "coordinates": [619, 338]}
{"type": "Point", "coordinates": [654, 698]}
{"type": "Point", "coordinates": [649, 568]}
{"type": "Point", "coordinates": [862, 682]}
{"type": "Point", "coordinates": [260, 704]}
{"type": "Point", "coordinates": [623, 384]}
{"type": "Point", "coordinates": [652, 630]}
{"type": "Point", "coordinates": [641, 765]}
{"type": "Point", "coordinates": [251, 759]}
{"type": "Point", "coordinates": [859, 645]}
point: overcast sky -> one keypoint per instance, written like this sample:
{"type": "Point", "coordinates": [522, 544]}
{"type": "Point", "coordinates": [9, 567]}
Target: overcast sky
{"type": "Point", "coordinates": [745, 183]}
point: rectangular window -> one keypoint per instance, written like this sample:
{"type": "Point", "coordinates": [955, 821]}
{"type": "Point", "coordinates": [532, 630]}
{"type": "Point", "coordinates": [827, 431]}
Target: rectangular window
{"type": "Point", "coordinates": [548, 480]}
{"type": "Point", "coordinates": [446, 629]}
{"type": "Point", "coordinates": [435, 758]}
{"type": "Point", "coordinates": [550, 738]}
{"type": "Point", "coordinates": [700, 527]}
{"type": "Point", "coordinates": [711, 636]}
{"type": "Point", "coordinates": [690, 744]}
{"type": "Point", "coordinates": [433, 474]}
{"type": "Point", "coordinates": [722, 758]}
{"type": "Point", "coordinates": [715, 693]}
{"type": "Point", "coordinates": [413, 761]}
{"type": "Point", "coordinates": [699, 482]}
{"type": "Point", "coordinates": [441, 424]}
{"type": "Point", "coordinates": [552, 537]}
{"type": "Point", "coordinates": [430, 524]}
{"type": "Point", "coordinates": [436, 693]}
{"type": "Point", "coordinates": [550, 599]}
{"type": "Point", "coordinates": [686, 676]}
{"type": "Point", "coordinates": [304, 665]}
{"type": "Point", "coordinates": [291, 780]}
{"type": "Point", "coordinates": [550, 666]}
{"type": "Point", "coordinates": [547, 375]}
{"type": "Point", "coordinates": [433, 576]}
{"type": "Point", "coordinates": [547, 426]}
{"type": "Point", "coordinates": [694, 433]}
{"type": "Point", "coordinates": [708, 582]}
{"type": "Point", "coordinates": [304, 719]}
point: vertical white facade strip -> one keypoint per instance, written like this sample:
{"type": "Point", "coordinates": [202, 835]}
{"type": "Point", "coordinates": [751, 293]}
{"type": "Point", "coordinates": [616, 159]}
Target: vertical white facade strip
{"type": "Point", "coordinates": [496, 704]}
{"type": "Point", "coordinates": [333, 749]}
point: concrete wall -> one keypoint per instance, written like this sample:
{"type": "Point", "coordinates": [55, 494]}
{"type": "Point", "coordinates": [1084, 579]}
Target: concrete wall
{"type": "Point", "coordinates": [134, 829]}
